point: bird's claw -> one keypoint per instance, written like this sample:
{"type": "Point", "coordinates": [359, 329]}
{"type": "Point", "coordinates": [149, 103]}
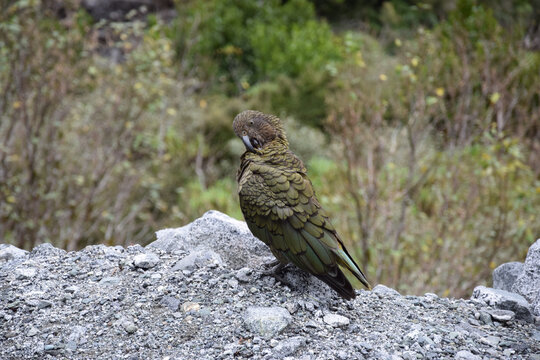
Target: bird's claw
{"type": "Point", "coordinates": [275, 272]}
{"type": "Point", "coordinates": [275, 269]}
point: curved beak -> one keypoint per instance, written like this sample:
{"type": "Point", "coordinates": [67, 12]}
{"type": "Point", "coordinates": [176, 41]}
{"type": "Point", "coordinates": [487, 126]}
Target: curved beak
{"type": "Point", "coordinates": [247, 143]}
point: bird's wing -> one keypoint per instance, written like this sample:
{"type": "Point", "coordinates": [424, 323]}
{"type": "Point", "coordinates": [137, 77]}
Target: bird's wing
{"type": "Point", "coordinates": [281, 209]}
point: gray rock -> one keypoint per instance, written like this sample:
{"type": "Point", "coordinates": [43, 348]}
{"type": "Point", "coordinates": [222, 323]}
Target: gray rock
{"type": "Point", "coordinates": [528, 282]}
{"type": "Point", "coordinates": [110, 252]}
{"type": "Point", "coordinates": [171, 302]}
{"type": "Point", "coordinates": [288, 347]}
{"type": "Point", "coordinates": [129, 326]}
{"type": "Point", "coordinates": [10, 252]}
{"type": "Point", "coordinates": [25, 273]}
{"type": "Point", "coordinates": [501, 315]}
{"type": "Point", "coordinates": [32, 332]}
{"type": "Point", "coordinates": [53, 349]}
{"type": "Point", "coordinates": [364, 347]}
{"type": "Point", "coordinates": [43, 304]}
{"type": "Point", "coordinates": [243, 274]}
{"type": "Point", "coordinates": [536, 304]}
{"type": "Point", "coordinates": [228, 237]}
{"type": "Point", "coordinates": [385, 291]}
{"type": "Point", "coordinates": [336, 320]}
{"type": "Point", "coordinates": [267, 321]}
{"type": "Point", "coordinates": [485, 316]}
{"type": "Point", "coordinates": [135, 249]}
{"type": "Point", "coordinates": [198, 258]}
{"type": "Point", "coordinates": [409, 355]}
{"type": "Point", "coordinates": [505, 275]}
{"type": "Point", "coordinates": [46, 249]}
{"type": "Point", "coordinates": [73, 289]}
{"type": "Point", "coordinates": [146, 261]}
{"type": "Point", "coordinates": [190, 306]}
{"type": "Point", "coordinates": [491, 340]}
{"type": "Point", "coordinates": [414, 334]}
{"type": "Point", "coordinates": [233, 283]}
{"type": "Point", "coordinates": [425, 340]}
{"type": "Point", "coordinates": [76, 337]}
{"type": "Point", "coordinates": [110, 281]}
{"type": "Point", "coordinates": [503, 300]}
{"type": "Point", "coordinates": [466, 355]}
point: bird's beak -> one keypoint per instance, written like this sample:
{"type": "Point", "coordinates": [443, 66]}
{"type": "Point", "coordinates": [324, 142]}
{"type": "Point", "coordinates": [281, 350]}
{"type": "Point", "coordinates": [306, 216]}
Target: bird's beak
{"type": "Point", "coordinates": [246, 141]}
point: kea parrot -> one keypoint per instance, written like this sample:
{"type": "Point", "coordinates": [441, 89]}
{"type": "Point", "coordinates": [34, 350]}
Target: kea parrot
{"type": "Point", "coordinates": [280, 206]}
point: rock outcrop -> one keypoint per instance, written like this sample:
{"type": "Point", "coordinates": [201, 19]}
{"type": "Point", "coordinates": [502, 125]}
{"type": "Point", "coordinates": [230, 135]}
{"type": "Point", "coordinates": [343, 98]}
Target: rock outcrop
{"type": "Point", "coordinates": [505, 275]}
{"type": "Point", "coordinates": [198, 292]}
{"type": "Point", "coordinates": [516, 287]}
{"type": "Point", "coordinates": [527, 283]}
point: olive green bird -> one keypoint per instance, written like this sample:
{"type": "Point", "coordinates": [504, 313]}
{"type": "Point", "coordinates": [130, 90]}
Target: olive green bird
{"type": "Point", "coordinates": [280, 206]}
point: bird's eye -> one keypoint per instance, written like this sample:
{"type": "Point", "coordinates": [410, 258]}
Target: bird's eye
{"type": "Point", "coordinates": [250, 122]}
{"type": "Point", "coordinates": [244, 133]}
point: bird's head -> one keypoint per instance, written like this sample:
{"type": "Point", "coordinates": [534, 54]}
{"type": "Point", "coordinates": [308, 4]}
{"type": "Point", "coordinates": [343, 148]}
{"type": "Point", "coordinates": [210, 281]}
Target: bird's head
{"type": "Point", "coordinates": [259, 131]}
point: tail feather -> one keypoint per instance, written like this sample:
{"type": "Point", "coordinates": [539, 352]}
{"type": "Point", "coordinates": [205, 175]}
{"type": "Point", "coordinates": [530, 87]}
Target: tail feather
{"type": "Point", "coordinates": [348, 263]}
{"type": "Point", "coordinates": [339, 283]}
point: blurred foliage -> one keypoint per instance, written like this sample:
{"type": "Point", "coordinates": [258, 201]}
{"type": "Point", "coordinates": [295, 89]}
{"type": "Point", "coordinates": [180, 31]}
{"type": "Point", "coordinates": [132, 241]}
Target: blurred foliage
{"type": "Point", "coordinates": [250, 41]}
{"type": "Point", "coordinates": [419, 123]}
{"type": "Point", "coordinates": [239, 44]}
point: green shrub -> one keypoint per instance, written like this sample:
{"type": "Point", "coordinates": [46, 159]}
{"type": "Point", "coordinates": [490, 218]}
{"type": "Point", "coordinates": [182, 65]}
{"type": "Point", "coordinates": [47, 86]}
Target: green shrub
{"type": "Point", "coordinates": [437, 172]}
{"type": "Point", "coordinates": [482, 73]}
{"type": "Point", "coordinates": [87, 146]}
{"type": "Point", "coordinates": [249, 41]}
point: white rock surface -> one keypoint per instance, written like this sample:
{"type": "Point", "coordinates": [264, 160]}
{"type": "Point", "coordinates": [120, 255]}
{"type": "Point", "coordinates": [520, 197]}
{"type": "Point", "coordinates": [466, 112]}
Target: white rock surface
{"type": "Point", "coordinates": [505, 275]}
{"type": "Point", "coordinates": [504, 300]}
{"type": "Point", "coordinates": [527, 283]}
{"type": "Point", "coordinates": [267, 321]}
{"type": "Point", "coordinates": [10, 252]}
{"type": "Point", "coordinates": [215, 231]}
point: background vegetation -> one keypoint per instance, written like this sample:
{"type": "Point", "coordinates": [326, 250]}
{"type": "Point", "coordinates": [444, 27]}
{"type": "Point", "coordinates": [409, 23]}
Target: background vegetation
{"type": "Point", "coordinates": [419, 123]}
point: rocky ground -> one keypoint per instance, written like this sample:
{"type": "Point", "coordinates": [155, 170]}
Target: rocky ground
{"type": "Point", "coordinates": [198, 293]}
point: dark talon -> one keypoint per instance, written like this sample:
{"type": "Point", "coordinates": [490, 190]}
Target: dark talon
{"type": "Point", "coordinates": [275, 269]}
{"type": "Point", "coordinates": [275, 273]}
{"type": "Point", "coordinates": [273, 263]}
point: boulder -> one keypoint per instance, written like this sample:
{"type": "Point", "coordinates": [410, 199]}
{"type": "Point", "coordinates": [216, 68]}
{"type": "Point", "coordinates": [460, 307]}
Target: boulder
{"type": "Point", "coordinates": [527, 283]}
{"type": "Point", "coordinates": [505, 300]}
{"type": "Point", "coordinates": [45, 250]}
{"type": "Point", "coordinates": [536, 304]}
{"type": "Point", "coordinates": [10, 252]}
{"type": "Point", "coordinates": [385, 291]}
{"type": "Point", "coordinates": [227, 237]}
{"type": "Point", "coordinates": [505, 275]}
{"type": "Point", "coordinates": [267, 321]}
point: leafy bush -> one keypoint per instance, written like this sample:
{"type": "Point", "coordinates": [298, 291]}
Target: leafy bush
{"type": "Point", "coordinates": [434, 157]}
{"type": "Point", "coordinates": [88, 146]}
{"type": "Point", "coordinates": [250, 41]}
{"type": "Point", "coordinates": [483, 74]}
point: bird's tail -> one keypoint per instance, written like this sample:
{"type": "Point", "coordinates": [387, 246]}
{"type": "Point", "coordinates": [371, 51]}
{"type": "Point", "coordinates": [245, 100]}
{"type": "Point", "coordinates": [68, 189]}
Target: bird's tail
{"type": "Point", "coordinates": [346, 261]}
{"type": "Point", "coordinates": [339, 282]}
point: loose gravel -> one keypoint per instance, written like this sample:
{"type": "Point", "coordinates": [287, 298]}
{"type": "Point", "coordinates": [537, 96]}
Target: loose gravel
{"type": "Point", "coordinates": [136, 303]}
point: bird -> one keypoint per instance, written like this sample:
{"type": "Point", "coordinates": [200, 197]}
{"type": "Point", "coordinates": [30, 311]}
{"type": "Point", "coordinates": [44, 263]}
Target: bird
{"type": "Point", "coordinates": [281, 209]}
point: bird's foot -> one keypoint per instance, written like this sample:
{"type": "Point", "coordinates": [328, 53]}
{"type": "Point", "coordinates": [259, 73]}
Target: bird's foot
{"type": "Point", "coordinates": [276, 268]}
{"type": "Point", "coordinates": [273, 263]}
{"type": "Point", "coordinates": [275, 272]}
